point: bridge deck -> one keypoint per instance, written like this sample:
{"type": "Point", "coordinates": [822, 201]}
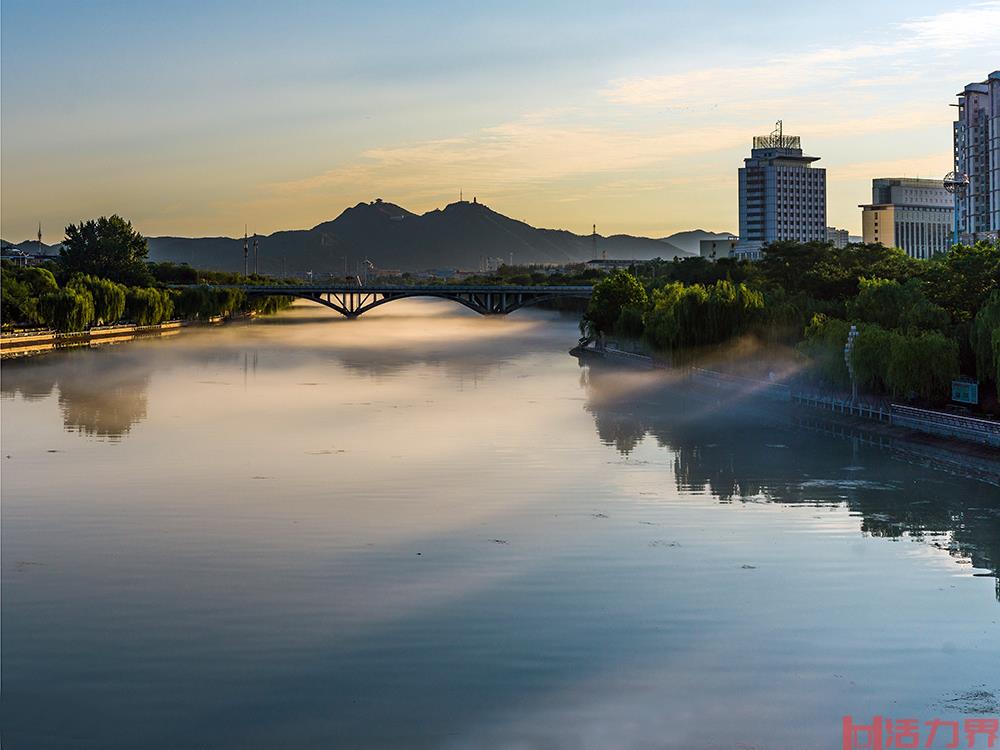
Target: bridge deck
{"type": "Point", "coordinates": [352, 300]}
{"type": "Point", "coordinates": [574, 291]}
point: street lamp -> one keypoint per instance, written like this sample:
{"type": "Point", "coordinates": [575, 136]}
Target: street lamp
{"type": "Point", "coordinates": [956, 183]}
{"type": "Point", "coordinates": [848, 350]}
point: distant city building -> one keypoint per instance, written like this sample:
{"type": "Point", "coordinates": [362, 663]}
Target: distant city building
{"type": "Point", "coordinates": [977, 155]}
{"type": "Point", "coordinates": [782, 196]}
{"type": "Point", "coordinates": [912, 214]}
{"type": "Point", "coordinates": [611, 264]}
{"type": "Point", "coordinates": [838, 237]}
{"type": "Point", "coordinates": [714, 249]}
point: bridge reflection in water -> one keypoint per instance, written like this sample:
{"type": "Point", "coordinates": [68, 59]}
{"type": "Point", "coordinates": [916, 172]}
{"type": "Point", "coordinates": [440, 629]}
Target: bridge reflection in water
{"type": "Point", "coordinates": [352, 301]}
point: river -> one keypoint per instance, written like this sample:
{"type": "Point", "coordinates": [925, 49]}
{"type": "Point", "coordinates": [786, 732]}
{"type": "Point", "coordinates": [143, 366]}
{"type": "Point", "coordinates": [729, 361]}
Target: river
{"type": "Point", "coordinates": [429, 529]}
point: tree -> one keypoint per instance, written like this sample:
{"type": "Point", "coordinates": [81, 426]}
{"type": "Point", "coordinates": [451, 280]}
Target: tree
{"type": "Point", "coordinates": [890, 304]}
{"type": "Point", "coordinates": [66, 309]}
{"type": "Point", "coordinates": [984, 332]}
{"type": "Point", "coordinates": [21, 288]}
{"type": "Point", "coordinates": [107, 247]}
{"type": "Point", "coordinates": [109, 297]}
{"type": "Point", "coordinates": [824, 343]}
{"type": "Point", "coordinates": [962, 279]}
{"type": "Point", "coordinates": [618, 290]}
{"type": "Point", "coordinates": [870, 357]}
{"type": "Point", "coordinates": [922, 366]}
{"type": "Point", "coordinates": [148, 306]}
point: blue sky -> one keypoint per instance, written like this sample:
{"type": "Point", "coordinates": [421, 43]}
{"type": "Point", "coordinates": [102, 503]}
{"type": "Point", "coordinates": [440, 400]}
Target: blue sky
{"type": "Point", "coordinates": [195, 118]}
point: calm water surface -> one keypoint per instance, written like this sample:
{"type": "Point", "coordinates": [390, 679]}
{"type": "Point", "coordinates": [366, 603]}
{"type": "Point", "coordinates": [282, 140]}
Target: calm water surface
{"type": "Point", "coordinates": [427, 529]}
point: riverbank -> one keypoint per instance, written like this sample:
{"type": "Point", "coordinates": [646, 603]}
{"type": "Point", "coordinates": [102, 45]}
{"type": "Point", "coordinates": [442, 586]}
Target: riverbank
{"type": "Point", "coordinates": [898, 418]}
{"type": "Point", "coordinates": [27, 343]}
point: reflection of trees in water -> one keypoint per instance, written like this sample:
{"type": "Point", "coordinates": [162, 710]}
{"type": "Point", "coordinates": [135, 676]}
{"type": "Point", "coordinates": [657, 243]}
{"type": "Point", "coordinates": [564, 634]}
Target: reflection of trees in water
{"type": "Point", "coordinates": [743, 452]}
{"type": "Point", "coordinates": [99, 396]}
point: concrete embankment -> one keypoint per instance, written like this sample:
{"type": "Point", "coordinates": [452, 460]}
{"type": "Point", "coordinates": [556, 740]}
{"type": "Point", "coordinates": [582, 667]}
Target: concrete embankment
{"type": "Point", "coordinates": [25, 343]}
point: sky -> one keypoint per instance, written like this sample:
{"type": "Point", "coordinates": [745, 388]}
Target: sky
{"type": "Point", "coordinates": [197, 118]}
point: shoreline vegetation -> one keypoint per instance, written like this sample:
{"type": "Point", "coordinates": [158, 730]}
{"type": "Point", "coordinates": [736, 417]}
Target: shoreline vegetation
{"type": "Point", "coordinates": [787, 317]}
{"type": "Point", "coordinates": [102, 278]}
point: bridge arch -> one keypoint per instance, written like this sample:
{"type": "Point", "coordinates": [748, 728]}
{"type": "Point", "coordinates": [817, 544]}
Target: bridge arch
{"type": "Point", "coordinates": [353, 301]}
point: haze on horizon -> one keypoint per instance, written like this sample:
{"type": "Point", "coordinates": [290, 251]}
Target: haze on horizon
{"type": "Point", "coordinates": [194, 118]}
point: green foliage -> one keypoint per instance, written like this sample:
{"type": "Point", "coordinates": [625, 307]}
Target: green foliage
{"type": "Point", "coordinates": [630, 322]}
{"type": "Point", "coordinates": [173, 273]}
{"type": "Point", "coordinates": [962, 279]}
{"type": "Point", "coordinates": [824, 272]}
{"type": "Point", "coordinates": [890, 304]}
{"type": "Point", "coordinates": [612, 293]}
{"type": "Point", "coordinates": [870, 357]}
{"type": "Point", "coordinates": [39, 280]}
{"type": "Point", "coordinates": [21, 288]}
{"type": "Point", "coordinates": [983, 336]}
{"type": "Point", "coordinates": [922, 366]}
{"type": "Point", "coordinates": [996, 355]}
{"type": "Point", "coordinates": [66, 309]}
{"type": "Point", "coordinates": [109, 297]}
{"type": "Point", "coordinates": [205, 302]}
{"type": "Point", "coordinates": [824, 342]}
{"type": "Point", "coordinates": [682, 316]}
{"type": "Point", "coordinates": [146, 306]}
{"type": "Point", "coordinates": [107, 247]}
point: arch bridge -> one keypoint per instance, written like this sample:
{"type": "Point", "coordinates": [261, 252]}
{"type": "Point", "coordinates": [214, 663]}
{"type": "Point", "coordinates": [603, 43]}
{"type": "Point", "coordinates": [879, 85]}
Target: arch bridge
{"type": "Point", "coordinates": [352, 301]}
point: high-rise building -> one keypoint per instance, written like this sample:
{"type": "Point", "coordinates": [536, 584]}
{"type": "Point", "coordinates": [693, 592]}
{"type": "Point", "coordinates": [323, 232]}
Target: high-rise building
{"type": "Point", "coordinates": [839, 238]}
{"type": "Point", "coordinates": [977, 156]}
{"type": "Point", "coordinates": [912, 214]}
{"type": "Point", "coordinates": [782, 196]}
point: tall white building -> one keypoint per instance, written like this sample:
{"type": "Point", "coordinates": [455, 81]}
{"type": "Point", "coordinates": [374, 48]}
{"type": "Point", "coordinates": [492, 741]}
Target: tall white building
{"type": "Point", "coordinates": [977, 155]}
{"type": "Point", "coordinates": [782, 196]}
{"type": "Point", "coordinates": [912, 214]}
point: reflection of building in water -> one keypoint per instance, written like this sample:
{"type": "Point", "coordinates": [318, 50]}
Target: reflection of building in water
{"type": "Point", "coordinates": [98, 396]}
{"type": "Point", "coordinates": [753, 452]}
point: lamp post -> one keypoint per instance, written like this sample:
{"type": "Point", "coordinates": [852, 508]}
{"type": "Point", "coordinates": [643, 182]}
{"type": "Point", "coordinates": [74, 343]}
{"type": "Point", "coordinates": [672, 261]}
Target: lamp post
{"type": "Point", "coordinates": [956, 183]}
{"type": "Point", "coordinates": [848, 350]}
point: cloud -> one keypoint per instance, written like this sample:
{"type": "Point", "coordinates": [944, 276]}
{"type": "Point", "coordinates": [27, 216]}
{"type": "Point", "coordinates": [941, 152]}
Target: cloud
{"type": "Point", "coordinates": [812, 72]}
{"type": "Point", "coordinates": [973, 25]}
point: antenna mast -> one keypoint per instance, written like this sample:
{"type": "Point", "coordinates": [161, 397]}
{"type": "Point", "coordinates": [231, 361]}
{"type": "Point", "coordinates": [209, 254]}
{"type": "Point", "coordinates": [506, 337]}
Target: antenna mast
{"type": "Point", "coordinates": [246, 251]}
{"type": "Point", "coordinates": [254, 253]}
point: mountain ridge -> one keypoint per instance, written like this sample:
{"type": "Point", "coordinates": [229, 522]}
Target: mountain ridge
{"type": "Point", "coordinates": [459, 235]}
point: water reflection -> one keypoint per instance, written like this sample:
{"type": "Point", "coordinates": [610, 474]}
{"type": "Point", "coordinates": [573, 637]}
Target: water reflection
{"type": "Point", "coordinates": [756, 450]}
{"type": "Point", "coordinates": [403, 532]}
{"type": "Point", "coordinates": [99, 395]}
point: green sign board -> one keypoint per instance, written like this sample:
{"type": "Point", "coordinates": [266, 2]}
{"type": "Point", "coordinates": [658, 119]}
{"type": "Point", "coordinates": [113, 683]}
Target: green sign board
{"type": "Point", "coordinates": [965, 391]}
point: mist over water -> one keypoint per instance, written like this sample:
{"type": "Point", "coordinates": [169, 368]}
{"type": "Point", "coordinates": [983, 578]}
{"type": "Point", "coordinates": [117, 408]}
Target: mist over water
{"type": "Point", "coordinates": [429, 529]}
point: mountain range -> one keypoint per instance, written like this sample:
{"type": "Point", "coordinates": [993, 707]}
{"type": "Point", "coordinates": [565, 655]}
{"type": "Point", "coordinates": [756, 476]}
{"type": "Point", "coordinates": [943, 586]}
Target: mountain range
{"type": "Point", "coordinates": [461, 235]}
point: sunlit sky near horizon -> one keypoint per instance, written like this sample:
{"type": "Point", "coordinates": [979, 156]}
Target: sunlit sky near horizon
{"type": "Point", "coordinates": [194, 118]}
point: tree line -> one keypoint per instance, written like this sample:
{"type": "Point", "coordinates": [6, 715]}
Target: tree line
{"type": "Point", "coordinates": [102, 276]}
{"type": "Point", "coordinates": [921, 323]}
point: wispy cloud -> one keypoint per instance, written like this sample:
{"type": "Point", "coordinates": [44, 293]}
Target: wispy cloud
{"type": "Point", "coordinates": [810, 71]}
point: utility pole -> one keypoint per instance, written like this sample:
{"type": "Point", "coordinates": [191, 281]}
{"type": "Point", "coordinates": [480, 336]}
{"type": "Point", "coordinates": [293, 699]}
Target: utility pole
{"type": "Point", "coordinates": [246, 252]}
{"type": "Point", "coordinates": [254, 253]}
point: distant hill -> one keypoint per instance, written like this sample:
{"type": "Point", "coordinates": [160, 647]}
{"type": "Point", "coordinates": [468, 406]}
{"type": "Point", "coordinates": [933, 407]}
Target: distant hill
{"type": "Point", "coordinates": [458, 236]}
{"type": "Point", "coordinates": [31, 246]}
{"type": "Point", "coordinates": [690, 240]}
